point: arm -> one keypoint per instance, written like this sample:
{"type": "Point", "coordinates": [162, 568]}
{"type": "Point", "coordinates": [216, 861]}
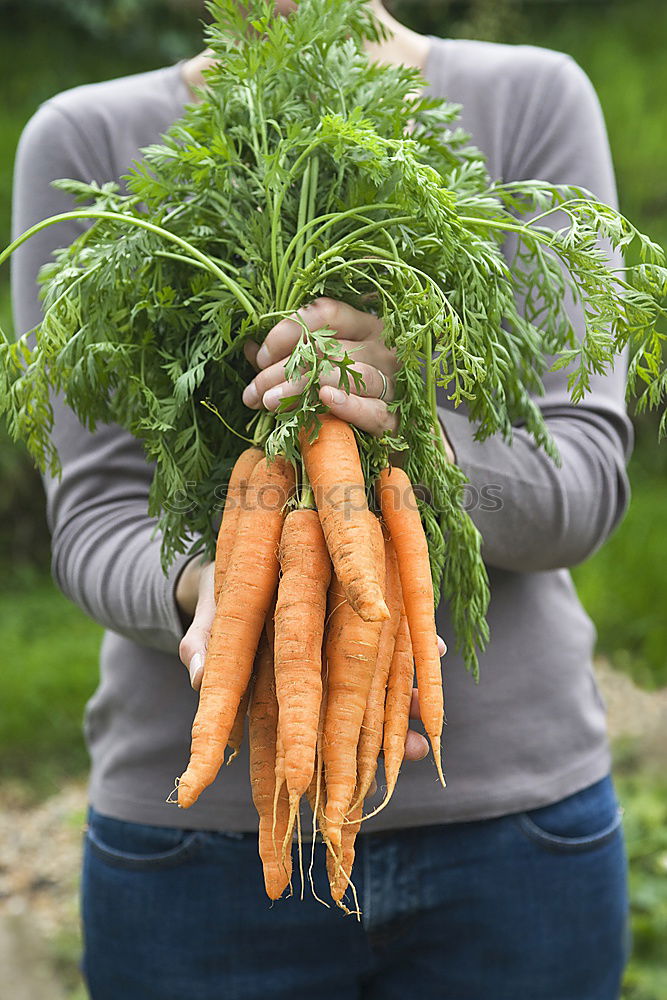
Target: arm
{"type": "Point", "coordinates": [548, 517]}
{"type": "Point", "coordinates": [105, 557]}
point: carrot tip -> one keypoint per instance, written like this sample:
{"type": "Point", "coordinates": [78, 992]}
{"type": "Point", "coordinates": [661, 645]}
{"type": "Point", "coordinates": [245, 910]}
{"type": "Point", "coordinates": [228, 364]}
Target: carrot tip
{"type": "Point", "coordinates": [435, 743]}
{"type": "Point", "coordinates": [187, 795]}
{"type": "Point", "coordinates": [334, 837]}
{"type": "Point", "coordinates": [379, 612]}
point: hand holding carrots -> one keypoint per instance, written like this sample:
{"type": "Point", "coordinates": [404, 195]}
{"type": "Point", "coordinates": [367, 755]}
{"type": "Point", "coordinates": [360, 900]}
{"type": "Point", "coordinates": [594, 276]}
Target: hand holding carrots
{"type": "Point", "coordinates": [360, 334]}
{"type": "Point", "coordinates": [331, 606]}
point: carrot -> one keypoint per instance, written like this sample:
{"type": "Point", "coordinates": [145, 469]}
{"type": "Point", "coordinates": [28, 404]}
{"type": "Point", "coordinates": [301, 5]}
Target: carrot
{"type": "Point", "coordinates": [401, 515]}
{"type": "Point", "coordinates": [397, 709]}
{"type": "Point", "coordinates": [335, 474]}
{"type": "Point", "coordinates": [339, 867]}
{"type": "Point", "coordinates": [370, 738]}
{"type": "Point", "coordinates": [299, 627]}
{"type": "Point", "coordinates": [262, 735]}
{"type": "Point", "coordinates": [316, 792]}
{"type": "Point", "coordinates": [270, 625]}
{"type": "Point", "coordinates": [236, 491]}
{"type": "Point", "coordinates": [279, 774]}
{"type": "Point", "coordinates": [351, 652]}
{"type": "Point", "coordinates": [238, 729]}
{"type": "Point", "coordinates": [234, 500]}
{"type": "Point", "coordinates": [249, 585]}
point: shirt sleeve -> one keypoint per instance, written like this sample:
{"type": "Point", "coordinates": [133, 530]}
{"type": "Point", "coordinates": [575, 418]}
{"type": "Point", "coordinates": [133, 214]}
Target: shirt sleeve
{"type": "Point", "coordinates": [105, 549]}
{"type": "Point", "coordinates": [533, 515]}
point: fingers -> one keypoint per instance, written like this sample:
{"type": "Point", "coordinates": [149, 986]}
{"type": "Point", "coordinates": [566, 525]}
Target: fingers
{"type": "Point", "coordinates": [192, 648]}
{"type": "Point", "coordinates": [349, 323]}
{"type": "Point", "coordinates": [416, 746]}
{"type": "Point", "coordinates": [250, 349]}
{"type": "Point", "coordinates": [269, 387]}
{"type": "Point", "coordinates": [371, 415]}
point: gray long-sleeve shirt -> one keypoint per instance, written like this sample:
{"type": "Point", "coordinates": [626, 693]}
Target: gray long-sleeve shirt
{"type": "Point", "coordinates": [533, 730]}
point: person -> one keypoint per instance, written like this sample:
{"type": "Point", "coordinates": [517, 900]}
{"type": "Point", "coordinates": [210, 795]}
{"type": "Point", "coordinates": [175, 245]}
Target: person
{"type": "Point", "coordinates": [511, 883]}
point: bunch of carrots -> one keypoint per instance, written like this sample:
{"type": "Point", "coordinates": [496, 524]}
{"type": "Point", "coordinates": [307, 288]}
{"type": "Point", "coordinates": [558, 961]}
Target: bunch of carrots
{"type": "Point", "coordinates": [323, 610]}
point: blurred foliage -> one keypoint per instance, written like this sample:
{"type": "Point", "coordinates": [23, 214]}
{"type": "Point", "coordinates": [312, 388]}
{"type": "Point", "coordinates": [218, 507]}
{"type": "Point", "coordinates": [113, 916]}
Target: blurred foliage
{"type": "Point", "coordinates": [488, 20]}
{"type": "Point", "coordinates": [49, 670]}
{"type": "Point", "coordinates": [624, 587]}
{"type": "Point", "coordinates": [24, 536]}
{"type": "Point", "coordinates": [162, 29]}
{"type": "Point", "coordinates": [642, 790]}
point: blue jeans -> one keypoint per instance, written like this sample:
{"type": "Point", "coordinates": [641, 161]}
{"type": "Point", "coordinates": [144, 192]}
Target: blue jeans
{"type": "Point", "coordinates": [531, 906]}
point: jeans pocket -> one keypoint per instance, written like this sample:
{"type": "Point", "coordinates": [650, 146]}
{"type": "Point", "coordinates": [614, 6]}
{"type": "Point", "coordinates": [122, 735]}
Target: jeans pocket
{"type": "Point", "coordinates": [138, 846]}
{"type": "Point", "coordinates": [581, 822]}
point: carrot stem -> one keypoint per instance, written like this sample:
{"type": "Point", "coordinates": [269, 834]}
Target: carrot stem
{"type": "Point", "coordinates": [193, 254]}
{"type": "Point", "coordinates": [307, 497]}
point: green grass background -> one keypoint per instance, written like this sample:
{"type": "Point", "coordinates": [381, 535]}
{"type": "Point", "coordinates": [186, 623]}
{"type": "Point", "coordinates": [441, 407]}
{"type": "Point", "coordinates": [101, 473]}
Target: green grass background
{"type": "Point", "coordinates": [50, 649]}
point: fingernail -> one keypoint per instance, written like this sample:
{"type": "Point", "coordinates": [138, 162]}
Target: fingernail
{"type": "Point", "coordinates": [250, 395]}
{"type": "Point", "coordinates": [196, 668]}
{"type": "Point", "coordinates": [272, 397]}
{"type": "Point", "coordinates": [335, 396]}
{"type": "Point", "coordinates": [262, 358]}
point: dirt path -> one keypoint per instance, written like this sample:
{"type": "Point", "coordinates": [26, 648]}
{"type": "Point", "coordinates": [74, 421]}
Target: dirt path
{"type": "Point", "coordinates": [632, 713]}
{"type": "Point", "coordinates": [26, 963]}
{"type": "Point", "coordinates": [40, 852]}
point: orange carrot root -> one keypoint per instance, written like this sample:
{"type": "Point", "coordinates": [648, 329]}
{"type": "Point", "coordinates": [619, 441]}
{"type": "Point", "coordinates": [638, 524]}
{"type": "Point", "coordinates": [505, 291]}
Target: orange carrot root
{"type": "Point", "coordinates": [397, 711]}
{"type": "Point", "coordinates": [234, 501]}
{"type": "Point", "coordinates": [351, 652]}
{"type": "Point", "coordinates": [339, 867]}
{"type": "Point", "coordinates": [335, 474]}
{"type": "Point", "coordinates": [401, 515]}
{"type": "Point", "coordinates": [370, 738]}
{"type": "Point", "coordinates": [299, 628]}
{"type": "Point", "coordinates": [263, 720]}
{"type": "Point", "coordinates": [249, 585]}
{"type": "Point", "coordinates": [316, 792]}
{"type": "Point", "coordinates": [238, 729]}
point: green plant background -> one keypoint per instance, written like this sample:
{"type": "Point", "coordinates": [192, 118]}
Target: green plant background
{"type": "Point", "coordinates": [50, 649]}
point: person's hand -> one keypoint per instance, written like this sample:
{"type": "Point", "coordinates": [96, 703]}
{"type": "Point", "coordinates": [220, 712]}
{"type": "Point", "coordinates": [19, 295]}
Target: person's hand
{"type": "Point", "coordinates": [360, 335]}
{"type": "Point", "coordinates": [192, 650]}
